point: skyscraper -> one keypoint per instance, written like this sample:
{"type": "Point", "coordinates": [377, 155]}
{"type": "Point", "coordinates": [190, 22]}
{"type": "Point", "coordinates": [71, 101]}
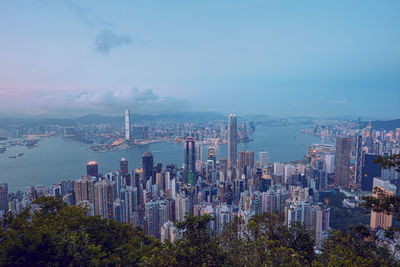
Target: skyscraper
{"type": "Point", "coordinates": [84, 190]}
{"type": "Point", "coordinates": [369, 171]}
{"type": "Point", "coordinates": [104, 198]}
{"type": "Point", "coordinates": [4, 197]}
{"type": "Point", "coordinates": [147, 165]}
{"type": "Point", "coordinates": [152, 226]}
{"type": "Point", "coordinates": [127, 125]}
{"type": "Point", "coordinates": [190, 155]}
{"type": "Point", "coordinates": [123, 166]}
{"type": "Point", "coordinates": [358, 159]}
{"type": "Point", "coordinates": [199, 153]}
{"type": "Point", "coordinates": [92, 169]}
{"type": "Point", "coordinates": [249, 159]}
{"type": "Point", "coordinates": [212, 155]}
{"type": "Point", "coordinates": [263, 159]}
{"type": "Point", "coordinates": [242, 159]}
{"type": "Point", "coordinates": [342, 161]}
{"type": "Point", "coordinates": [232, 140]}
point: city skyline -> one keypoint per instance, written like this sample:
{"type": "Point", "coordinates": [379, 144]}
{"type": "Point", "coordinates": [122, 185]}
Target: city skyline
{"type": "Point", "coordinates": [200, 133]}
{"type": "Point", "coordinates": [286, 59]}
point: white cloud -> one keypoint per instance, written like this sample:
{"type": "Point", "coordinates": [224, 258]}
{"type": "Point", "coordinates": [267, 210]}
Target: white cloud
{"type": "Point", "coordinates": [110, 102]}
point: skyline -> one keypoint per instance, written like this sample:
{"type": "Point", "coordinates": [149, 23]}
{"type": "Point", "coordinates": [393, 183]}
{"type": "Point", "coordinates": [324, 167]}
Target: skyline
{"type": "Point", "coordinates": [249, 57]}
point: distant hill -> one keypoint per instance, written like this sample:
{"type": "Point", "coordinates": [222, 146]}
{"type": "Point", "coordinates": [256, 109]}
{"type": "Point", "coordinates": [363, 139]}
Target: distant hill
{"type": "Point", "coordinates": [386, 125]}
{"type": "Point", "coordinates": [94, 118]}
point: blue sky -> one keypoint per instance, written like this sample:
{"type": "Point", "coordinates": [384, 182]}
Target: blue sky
{"type": "Point", "coordinates": [283, 58]}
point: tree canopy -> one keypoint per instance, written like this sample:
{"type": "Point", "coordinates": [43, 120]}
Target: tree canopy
{"type": "Point", "coordinates": [51, 233]}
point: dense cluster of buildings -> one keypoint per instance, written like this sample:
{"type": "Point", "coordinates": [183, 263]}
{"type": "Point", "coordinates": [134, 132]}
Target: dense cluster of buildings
{"type": "Point", "coordinates": [155, 195]}
{"type": "Point", "coordinates": [356, 167]}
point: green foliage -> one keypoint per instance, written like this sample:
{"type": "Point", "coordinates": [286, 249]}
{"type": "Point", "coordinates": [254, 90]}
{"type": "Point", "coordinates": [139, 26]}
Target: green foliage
{"type": "Point", "coordinates": [392, 161]}
{"type": "Point", "coordinates": [350, 249]}
{"type": "Point", "coordinates": [54, 234]}
{"type": "Point", "coordinates": [59, 235]}
{"type": "Point", "coordinates": [265, 240]}
{"type": "Point", "coordinates": [197, 247]}
{"type": "Point", "coordinates": [382, 202]}
{"type": "Point", "coordinates": [342, 218]}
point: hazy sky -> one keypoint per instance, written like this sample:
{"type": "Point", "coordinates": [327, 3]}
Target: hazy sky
{"type": "Point", "coordinates": [321, 58]}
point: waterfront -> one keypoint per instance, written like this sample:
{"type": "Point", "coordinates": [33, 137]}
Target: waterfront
{"type": "Point", "coordinates": [57, 158]}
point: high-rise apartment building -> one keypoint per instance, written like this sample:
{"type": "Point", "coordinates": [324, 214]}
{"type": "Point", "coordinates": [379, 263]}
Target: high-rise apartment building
{"type": "Point", "coordinates": [382, 219]}
{"type": "Point", "coordinates": [152, 226]}
{"type": "Point", "coordinates": [84, 189]}
{"type": "Point", "coordinates": [232, 140]}
{"type": "Point", "coordinates": [342, 161]}
{"type": "Point", "coordinates": [104, 198]}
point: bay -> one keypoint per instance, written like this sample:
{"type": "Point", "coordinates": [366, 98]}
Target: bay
{"type": "Point", "coordinates": [57, 158]}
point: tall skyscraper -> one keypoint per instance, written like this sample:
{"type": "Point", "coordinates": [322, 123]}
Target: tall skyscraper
{"type": "Point", "coordinates": [4, 197]}
{"type": "Point", "coordinates": [104, 198]}
{"type": "Point", "coordinates": [232, 140]}
{"type": "Point", "coordinates": [127, 125]}
{"type": "Point", "coordinates": [199, 153]}
{"type": "Point", "coordinates": [152, 226]}
{"type": "Point", "coordinates": [92, 169]}
{"type": "Point", "coordinates": [369, 140]}
{"type": "Point", "coordinates": [147, 165]}
{"type": "Point", "coordinates": [263, 159]}
{"type": "Point", "coordinates": [249, 159]}
{"type": "Point", "coordinates": [342, 161]}
{"type": "Point", "coordinates": [242, 159]}
{"type": "Point", "coordinates": [190, 155]}
{"type": "Point", "coordinates": [358, 159]}
{"type": "Point", "coordinates": [369, 171]}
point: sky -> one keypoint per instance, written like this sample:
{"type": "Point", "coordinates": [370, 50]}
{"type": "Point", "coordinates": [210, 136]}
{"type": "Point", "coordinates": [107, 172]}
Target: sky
{"type": "Point", "coordinates": [280, 58]}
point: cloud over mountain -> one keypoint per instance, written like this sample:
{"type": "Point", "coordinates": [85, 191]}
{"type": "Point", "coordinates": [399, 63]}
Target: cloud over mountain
{"type": "Point", "coordinates": [107, 102]}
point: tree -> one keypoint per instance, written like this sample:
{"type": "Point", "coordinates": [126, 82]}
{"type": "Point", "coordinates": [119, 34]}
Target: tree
{"type": "Point", "coordinates": [350, 249]}
{"type": "Point", "coordinates": [196, 247]}
{"type": "Point", "coordinates": [383, 202]}
{"type": "Point", "coordinates": [266, 240]}
{"type": "Point", "coordinates": [60, 235]}
{"type": "Point", "coordinates": [392, 161]}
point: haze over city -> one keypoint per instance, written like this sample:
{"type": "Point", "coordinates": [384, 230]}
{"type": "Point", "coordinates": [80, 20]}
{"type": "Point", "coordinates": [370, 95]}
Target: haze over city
{"type": "Point", "coordinates": [314, 58]}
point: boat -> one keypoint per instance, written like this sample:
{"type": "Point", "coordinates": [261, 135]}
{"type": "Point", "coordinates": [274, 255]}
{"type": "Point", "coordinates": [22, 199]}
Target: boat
{"type": "Point", "coordinates": [12, 157]}
{"type": "Point", "coordinates": [20, 154]}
